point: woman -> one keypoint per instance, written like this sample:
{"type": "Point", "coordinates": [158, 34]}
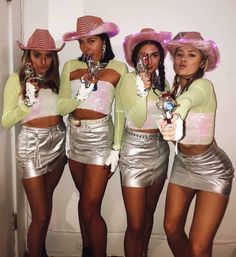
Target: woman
{"type": "Point", "coordinates": [30, 97]}
{"type": "Point", "coordinates": [144, 154]}
{"type": "Point", "coordinates": [88, 88]}
{"type": "Point", "coordinates": [201, 169]}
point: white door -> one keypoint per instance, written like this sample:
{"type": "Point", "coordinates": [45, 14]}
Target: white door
{"type": "Point", "coordinates": [11, 194]}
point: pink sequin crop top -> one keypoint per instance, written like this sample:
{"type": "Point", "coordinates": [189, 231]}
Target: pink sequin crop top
{"type": "Point", "coordinates": [100, 100]}
{"type": "Point", "coordinates": [46, 105]}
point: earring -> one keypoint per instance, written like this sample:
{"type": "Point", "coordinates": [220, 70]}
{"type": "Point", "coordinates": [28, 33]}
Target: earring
{"type": "Point", "coordinates": [103, 51]}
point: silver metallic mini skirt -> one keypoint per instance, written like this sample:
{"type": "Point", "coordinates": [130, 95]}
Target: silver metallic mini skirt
{"type": "Point", "coordinates": [211, 171]}
{"type": "Point", "coordinates": [40, 150]}
{"type": "Point", "coordinates": [143, 159]}
{"type": "Point", "coordinates": [90, 141]}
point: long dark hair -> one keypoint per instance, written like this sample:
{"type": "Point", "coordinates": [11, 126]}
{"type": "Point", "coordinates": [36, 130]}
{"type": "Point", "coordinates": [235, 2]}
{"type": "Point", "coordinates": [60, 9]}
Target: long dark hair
{"type": "Point", "coordinates": [161, 67]}
{"type": "Point", "coordinates": [52, 77]}
{"type": "Point", "coordinates": [109, 54]}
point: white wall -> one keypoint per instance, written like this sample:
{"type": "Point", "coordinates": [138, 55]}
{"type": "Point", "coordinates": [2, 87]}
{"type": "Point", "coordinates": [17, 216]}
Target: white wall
{"type": "Point", "coordinates": [215, 21]}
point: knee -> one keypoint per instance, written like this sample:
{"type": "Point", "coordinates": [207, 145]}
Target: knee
{"type": "Point", "coordinates": [41, 219]}
{"type": "Point", "coordinates": [171, 228]}
{"type": "Point", "coordinates": [136, 228]}
{"type": "Point", "coordinates": [199, 248]}
{"type": "Point", "coordinates": [89, 209]}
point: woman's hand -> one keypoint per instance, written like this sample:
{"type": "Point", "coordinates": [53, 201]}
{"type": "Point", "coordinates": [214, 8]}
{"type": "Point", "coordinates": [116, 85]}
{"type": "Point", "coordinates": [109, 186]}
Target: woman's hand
{"type": "Point", "coordinates": [171, 131]}
{"type": "Point", "coordinates": [146, 78]}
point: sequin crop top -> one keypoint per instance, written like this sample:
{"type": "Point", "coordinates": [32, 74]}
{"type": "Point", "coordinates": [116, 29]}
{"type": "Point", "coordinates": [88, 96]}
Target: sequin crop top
{"type": "Point", "coordinates": [14, 109]}
{"type": "Point", "coordinates": [100, 100]}
{"type": "Point", "coordinates": [134, 111]}
{"type": "Point", "coordinates": [197, 106]}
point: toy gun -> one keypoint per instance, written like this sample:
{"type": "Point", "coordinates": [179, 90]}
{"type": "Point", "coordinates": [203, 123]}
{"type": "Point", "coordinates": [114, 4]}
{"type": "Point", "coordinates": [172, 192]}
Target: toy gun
{"type": "Point", "coordinates": [30, 73]}
{"type": "Point", "coordinates": [93, 69]}
{"type": "Point", "coordinates": [142, 63]}
{"type": "Point", "coordinates": [167, 105]}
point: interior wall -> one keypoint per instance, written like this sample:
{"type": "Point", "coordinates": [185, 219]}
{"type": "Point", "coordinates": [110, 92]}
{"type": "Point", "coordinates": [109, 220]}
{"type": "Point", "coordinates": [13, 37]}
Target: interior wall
{"type": "Point", "coordinates": [214, 21]}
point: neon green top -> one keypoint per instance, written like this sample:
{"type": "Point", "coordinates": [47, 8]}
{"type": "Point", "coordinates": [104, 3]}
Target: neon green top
{"type": "Point", "coordinates": [197, 106]}
{"type": "Point", "coordinates": [134, 111]}
{"type": "Point", "coordinates": [13, 112]}
{"type": "Point", "coordinates": [67, 103]}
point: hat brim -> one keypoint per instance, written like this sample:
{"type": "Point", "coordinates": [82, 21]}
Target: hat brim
{"type": "Point", "coordinates": [132, 40]}
{"type": "Point", "coordinates": [207, 47]}
{"type": "Point", "coordinates": [23, 47]}
{"type": "Point", "coordinates": [109, 28]}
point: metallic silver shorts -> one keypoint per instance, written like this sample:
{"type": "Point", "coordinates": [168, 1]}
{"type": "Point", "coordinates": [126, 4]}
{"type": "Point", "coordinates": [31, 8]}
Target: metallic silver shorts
{"type": "Point", "coordinates": [40, 150]}
{"type": "Point", "coordinates": [90, 142]}
{"type": "Point", "coordinates": [211, 171]}
{"type": "Point", "coordinates": [143, 159]}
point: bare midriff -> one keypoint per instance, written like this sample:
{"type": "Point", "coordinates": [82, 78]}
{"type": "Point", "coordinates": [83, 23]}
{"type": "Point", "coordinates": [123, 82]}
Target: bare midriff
{"type": "Point", "coordinates": [85, 114]}
{"type": "Point", "coordinates": [148, 131]}
{"type": "Point", "coordinates": [193, 149]}
{"type": "Point", "coordinates": [44, 122]}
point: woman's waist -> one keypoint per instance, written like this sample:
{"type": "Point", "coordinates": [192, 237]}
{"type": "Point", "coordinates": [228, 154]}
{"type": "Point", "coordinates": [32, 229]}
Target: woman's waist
{"type": "Point", "coordinates": [86, 114]}
{"type": "Point", "coordinates": [145, 131]}
{"type": "Point", "coordinates": [191, 150]}
{"type": "Point", "coordinates": [44, 122]}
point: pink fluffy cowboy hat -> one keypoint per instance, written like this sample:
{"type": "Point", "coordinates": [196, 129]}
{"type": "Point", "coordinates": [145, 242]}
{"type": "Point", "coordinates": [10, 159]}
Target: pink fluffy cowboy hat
{"type": "Point", "coordinates": [207, 47]}
{"type": "Point", "coordinates": [90, 26]}
{"type": "Point", "coordinates": [132, 40]}
{"type": "Point", "coordinates": [41, 39]}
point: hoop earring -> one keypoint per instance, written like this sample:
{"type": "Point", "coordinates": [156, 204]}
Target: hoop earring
{"type": "Point", "coordinates": [103, 51]}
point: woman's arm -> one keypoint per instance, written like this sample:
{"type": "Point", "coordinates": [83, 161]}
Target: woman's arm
{"type": "Point", "coordinates": [12, 111]}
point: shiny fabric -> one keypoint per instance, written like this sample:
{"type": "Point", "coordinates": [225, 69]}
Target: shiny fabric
{"type": "Point", "coordinates": [40, 150]}
{"type": "Point", "coordinates": [99, 100]}
{"type": "Point", "coordinates": [211, 171]}
{"type": "Point", "coordinates": [143, 159]}
{"type": "Point", "coordinates": [91, 141]}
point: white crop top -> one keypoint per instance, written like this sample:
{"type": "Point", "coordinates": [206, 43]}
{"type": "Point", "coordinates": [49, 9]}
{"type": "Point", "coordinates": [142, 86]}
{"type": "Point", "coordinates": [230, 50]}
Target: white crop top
{"type": "Point", "coordinates": [46, 105]}
{"type": "Point", "coordinates": [100, 100]}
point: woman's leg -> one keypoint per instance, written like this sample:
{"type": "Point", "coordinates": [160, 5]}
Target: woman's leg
{"type": "Point", "coordinates": [152, 197]}
{"type": "Point", "coordinates": [77, 171]}
{"type": "Point", "coordinates": [178, 200]}
{"type": "Point", "coordinates": [52, 180]}
{"type": "Point", "coordinates": [208, 214]}
{"type": "Point", "coordinates": [135, 205]}
{"type": "Point", "coordinates": [94, 185]}
{"type": "Point", "coordinates": [39, 191]}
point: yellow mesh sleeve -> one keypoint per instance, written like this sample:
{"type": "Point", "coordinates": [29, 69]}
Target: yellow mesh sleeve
{"type": "Point", "coordinates": [12, 112]}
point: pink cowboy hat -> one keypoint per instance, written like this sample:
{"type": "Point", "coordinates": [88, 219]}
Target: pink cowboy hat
{"type": "Point", "coordinates": [132, 40]}
{"type": "Point", "coordinates": [90, 26]}
{"type": "Point", "coordinates": [207, 47]}
{"type": "Point", "coordinates": [41, 39]}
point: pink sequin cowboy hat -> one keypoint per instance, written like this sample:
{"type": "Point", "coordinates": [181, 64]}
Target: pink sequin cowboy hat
{"type": "Point", "coordinates": [207, 47]}
{"type": "Point", "coordinates": [41, 40]}
{"type": "Point", "coordinates": [89, 25]}
{"type": "Point", "coordinates": [132, 40]}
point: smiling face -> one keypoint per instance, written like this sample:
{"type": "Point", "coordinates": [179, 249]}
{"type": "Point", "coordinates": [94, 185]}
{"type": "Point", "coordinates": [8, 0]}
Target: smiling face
{"type": "Point", "coordinates": [92, 46]}
{"type": "Point", "coordinates": [187, 61]}
{"type": "Point", "coordinates": [154, 56]}
{"type": "Point", "coordinates": [41, 61]}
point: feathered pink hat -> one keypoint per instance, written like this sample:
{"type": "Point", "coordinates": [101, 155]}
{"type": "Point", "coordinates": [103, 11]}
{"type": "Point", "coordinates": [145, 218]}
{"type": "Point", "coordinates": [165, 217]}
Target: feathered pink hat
{"type": "Point", "coordinates": [41, 39]}
{"type": "Point", "coordinates": [132, 40]}
{"type": "Point", "coordinates": [207, 47]}
{"type": "Point", "coordinates": [89, 25]}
